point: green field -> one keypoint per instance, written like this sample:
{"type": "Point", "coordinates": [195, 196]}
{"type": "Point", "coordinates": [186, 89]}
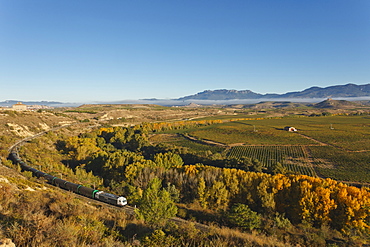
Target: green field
{"type": "Point", "coordinates": [340, 164]}
{"type": "Point", "coordinates": [253, 132]}
{"type": "Point", "coordinates": [293, 158]}
{"type": "Point", "coordinates": [348, 132]}
{"type": "Point", "coordinates": [336, 146]}
{"type": "Point", "coordinates": [181, 141]}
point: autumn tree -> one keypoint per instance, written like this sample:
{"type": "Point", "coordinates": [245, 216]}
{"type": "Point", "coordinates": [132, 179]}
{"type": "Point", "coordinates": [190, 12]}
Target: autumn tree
{"type": "Point", "coordinates": [202, 193]}
{"type": "Point", "coordinates": [218, 196]}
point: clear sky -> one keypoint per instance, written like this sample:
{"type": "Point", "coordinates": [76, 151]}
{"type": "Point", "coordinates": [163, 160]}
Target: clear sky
{"type": "Point", "coordinates": [95, 50]}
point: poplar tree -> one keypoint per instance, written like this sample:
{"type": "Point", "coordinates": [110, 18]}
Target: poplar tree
{"type": "Point", "coordinates": [156, 205]}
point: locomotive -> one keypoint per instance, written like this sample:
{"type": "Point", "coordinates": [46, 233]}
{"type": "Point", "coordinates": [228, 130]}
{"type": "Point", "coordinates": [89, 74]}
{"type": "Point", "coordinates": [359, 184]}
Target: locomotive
{"type": "Point", "coordinates": [77, 188]}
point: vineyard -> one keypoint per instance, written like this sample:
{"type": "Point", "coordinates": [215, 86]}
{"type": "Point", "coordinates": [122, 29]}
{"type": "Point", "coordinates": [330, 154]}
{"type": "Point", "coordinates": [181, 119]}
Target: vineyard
{"type": "Point", "coordinates": [254, 132]}
{"type": "Point", "coordinates": [340, 164]}
{"type": "Point", "coordinates": [181, 141]}
{"type": "Point", "coordinates": [351, 133]}
{"type": "Point", "coordinates": [337, 147]}
{"type": "Point", "coordinates": [293, 158]}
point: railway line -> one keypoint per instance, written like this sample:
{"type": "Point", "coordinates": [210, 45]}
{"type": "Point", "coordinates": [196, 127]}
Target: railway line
{"type": "Point", "coordinates": [24, 140]}
{"type": "Point", "coordinates": [128, 209]}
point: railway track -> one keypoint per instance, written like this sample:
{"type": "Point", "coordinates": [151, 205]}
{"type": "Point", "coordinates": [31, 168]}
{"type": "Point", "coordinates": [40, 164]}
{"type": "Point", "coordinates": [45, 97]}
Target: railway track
{"type": "Point", "coordinates": [128, 209]}
{"type": "Point", "coordinates": [131, 211]}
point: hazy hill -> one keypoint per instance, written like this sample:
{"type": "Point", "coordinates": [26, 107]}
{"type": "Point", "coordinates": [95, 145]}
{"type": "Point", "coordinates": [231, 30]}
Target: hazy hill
{"type": "Point", "coordinates": [348, 90]}
{"type": "Point", "coordinates": [338, 104]}
{"type": "Point", "coordinates": [223, 94]}
{"type": "Point", "coordinates": [270, 105]}
{"type": "Point", "coordinates": [9, 103]}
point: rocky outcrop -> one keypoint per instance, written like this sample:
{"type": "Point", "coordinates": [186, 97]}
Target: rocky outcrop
{"type": "Point", "coordinates": [6, 242]}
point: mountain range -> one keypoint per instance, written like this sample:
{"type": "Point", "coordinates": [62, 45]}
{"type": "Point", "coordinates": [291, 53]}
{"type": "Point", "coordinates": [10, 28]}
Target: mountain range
{"type": "Point", "coordinates": [221, 96]}
{"type": "Point", "coordinates": [338, 91]}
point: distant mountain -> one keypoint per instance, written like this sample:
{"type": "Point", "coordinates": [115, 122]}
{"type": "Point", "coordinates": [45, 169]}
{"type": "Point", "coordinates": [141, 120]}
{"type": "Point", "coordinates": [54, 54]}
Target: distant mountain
{"type": "Point", "coordinates": [348, 90]}
{"type": "Point", "coordinates": [223, 94]}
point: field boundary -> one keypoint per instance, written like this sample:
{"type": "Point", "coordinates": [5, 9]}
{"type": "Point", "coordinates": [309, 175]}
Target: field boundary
{"type": "Point", "coordinates": [204, 141]}
{"type": "Point", "coordinates": [312, 139]}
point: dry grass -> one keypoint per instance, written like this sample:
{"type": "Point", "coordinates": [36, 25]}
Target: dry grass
{"type": "Point", "coordinates": [251, 239]}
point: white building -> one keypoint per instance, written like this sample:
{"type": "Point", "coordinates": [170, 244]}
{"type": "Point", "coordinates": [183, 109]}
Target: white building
{"type": "Point", "coordinates": [19, 107]}
{"type": "Point", "coordinates": [291, 129]}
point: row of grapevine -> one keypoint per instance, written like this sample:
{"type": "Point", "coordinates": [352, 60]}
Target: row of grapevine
{"type": "Point", "coordinates": [340, 164]}
{"type": "Point", "coordinates": [293, 158]}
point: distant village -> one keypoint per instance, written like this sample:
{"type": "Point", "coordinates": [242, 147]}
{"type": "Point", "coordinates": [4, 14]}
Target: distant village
{"type": "Point", "coordinates": [23, 107]}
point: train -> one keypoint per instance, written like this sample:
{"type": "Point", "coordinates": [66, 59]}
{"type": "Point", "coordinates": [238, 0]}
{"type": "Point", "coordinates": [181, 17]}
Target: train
{"type": "Point", "coordinates": [76, 188]}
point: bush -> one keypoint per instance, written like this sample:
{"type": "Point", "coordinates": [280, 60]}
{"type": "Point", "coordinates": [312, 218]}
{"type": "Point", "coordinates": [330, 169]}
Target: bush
{"type": "Point", "coordinates": [242, 216]}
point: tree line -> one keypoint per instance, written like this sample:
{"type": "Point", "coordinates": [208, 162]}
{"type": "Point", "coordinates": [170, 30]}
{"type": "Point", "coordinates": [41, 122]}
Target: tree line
{"type": "Point", "coordinates": [128, 164]}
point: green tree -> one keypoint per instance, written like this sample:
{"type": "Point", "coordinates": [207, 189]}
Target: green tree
{"type": "Point", "coordinates": [242, 216]}
{"type": "Point", "coordinates": [218, 196]}
{"type": "Point", "coordinates": [277, 168]}
{"type": "Point", "coordinates": [168, 160]}
{"type": "Point", "coordinates": [256, 166]}
{"type": "Point", "coordinates": [156, 205]}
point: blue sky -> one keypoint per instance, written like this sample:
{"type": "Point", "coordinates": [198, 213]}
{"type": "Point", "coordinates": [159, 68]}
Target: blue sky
{"type": "Point", "coordinates": [86, 51]}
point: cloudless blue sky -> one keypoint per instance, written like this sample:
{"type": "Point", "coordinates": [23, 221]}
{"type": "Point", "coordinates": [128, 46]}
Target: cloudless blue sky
{"type": "Point", "coordinates": [94, 50]}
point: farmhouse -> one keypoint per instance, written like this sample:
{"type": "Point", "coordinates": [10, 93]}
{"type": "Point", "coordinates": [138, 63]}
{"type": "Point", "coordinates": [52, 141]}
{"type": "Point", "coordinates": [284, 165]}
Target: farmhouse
{"type": "Point", "coordinates": [291, 129]}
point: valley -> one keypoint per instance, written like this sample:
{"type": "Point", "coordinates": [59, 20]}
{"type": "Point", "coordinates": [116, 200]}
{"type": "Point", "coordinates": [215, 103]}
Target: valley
{"type": "Point", "coordinates": [202, 163]}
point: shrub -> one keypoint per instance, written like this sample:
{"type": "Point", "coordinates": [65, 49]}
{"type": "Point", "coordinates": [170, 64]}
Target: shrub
{"type": "Point", "coordinates": [242, 216]}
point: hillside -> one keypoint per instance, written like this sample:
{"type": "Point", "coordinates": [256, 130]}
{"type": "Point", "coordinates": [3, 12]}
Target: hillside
{"type": "Point", "coordinates": [336, 104]}
{"type": "Point", "coordinates": [123, 161]}
{"type": "Point", "coordinates": [33, 213]}
{"type": "Point", "coordinates": [348, 90]}
{"type": "Point", "coordinates": [274, 105]}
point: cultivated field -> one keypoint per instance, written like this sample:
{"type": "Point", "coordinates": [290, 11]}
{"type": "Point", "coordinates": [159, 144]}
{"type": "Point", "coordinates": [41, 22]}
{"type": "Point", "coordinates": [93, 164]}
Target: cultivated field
{"type": "Point", "coordinates": [329, 146]}
{"type": "Point", "coordinates": [293, 158]}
